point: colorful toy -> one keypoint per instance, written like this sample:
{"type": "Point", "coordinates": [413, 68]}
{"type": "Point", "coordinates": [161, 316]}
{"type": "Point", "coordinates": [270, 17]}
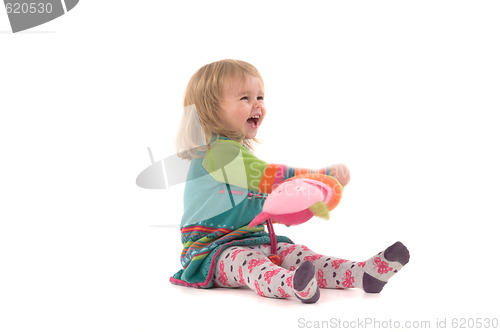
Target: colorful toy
{"type": "Point", "coordinates": [297, 200]}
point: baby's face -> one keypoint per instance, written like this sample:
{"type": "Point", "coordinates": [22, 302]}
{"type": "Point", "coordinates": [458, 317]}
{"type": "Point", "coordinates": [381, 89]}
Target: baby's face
{"type": "Point", "coordinates": [242, 107]}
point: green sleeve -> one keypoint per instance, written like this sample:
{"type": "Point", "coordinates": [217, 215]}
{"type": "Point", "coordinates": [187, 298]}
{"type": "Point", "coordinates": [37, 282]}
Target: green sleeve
{"type": "Point", "coordinates": [229, 162]}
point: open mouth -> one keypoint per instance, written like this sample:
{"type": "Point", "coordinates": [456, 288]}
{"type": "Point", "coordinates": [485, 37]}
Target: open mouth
{"type": "Point", "coordinates": [253, 121]}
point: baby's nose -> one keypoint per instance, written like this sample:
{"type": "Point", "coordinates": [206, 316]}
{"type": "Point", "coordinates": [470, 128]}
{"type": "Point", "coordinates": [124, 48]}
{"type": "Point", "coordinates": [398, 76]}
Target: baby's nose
{"type": "Point", "coordinates": [257, 103]}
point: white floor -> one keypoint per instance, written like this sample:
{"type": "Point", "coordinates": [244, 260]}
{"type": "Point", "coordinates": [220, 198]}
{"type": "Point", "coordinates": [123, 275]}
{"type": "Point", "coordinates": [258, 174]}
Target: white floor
{"type": "Point", "coordinates": [103, 279]}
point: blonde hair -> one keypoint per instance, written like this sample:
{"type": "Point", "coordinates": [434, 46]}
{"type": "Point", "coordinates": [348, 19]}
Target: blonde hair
{"type": "Point", "coordinates": [202, 98]}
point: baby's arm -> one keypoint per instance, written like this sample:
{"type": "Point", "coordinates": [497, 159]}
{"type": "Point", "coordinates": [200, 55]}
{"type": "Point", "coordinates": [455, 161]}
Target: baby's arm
{"type": "Point", "coordinates": [229, 162]}
{"type": "Point", "coordinates": [274, 174]}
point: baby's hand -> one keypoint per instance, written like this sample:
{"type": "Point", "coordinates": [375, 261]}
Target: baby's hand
{"type": "Point", "coordinates": [341, 173]}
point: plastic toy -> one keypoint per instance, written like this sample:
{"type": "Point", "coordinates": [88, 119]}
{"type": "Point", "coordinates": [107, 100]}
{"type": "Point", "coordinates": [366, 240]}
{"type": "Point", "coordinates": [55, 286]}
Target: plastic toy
{"type": "Point", "coordinates": [297, 200]}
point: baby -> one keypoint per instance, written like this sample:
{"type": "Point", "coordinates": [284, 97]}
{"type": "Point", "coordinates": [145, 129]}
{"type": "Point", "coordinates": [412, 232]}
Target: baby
{"type": "Point", "coordinates": [226, 188]}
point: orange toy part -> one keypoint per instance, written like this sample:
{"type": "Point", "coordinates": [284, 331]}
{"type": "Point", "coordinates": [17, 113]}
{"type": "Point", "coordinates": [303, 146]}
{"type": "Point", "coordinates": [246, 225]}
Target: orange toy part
{"type": "Point", "coordinates": [275, 259]}
{"type": "Point", "coordinates": [329, 181]}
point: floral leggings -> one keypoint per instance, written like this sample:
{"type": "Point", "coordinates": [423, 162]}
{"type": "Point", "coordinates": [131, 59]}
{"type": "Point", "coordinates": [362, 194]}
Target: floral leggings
{"type": "Point", "coordinates": [249, 266]}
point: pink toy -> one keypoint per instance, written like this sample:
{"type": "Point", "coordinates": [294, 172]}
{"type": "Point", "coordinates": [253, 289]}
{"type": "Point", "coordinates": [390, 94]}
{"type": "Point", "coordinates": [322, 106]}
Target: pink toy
{"type": "Point", "coordinates": [297, 200]}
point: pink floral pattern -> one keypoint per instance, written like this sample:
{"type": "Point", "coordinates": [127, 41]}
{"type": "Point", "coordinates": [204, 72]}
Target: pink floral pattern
{"type": "Point", "coordinates": [254, 263]}
{"type": "Point", "coordinates": [348, 279]}
{"type": "Point", "coordinates": [381, 266]}
{"type": "Point", "coordinates": [222, 279]}
{"type": "Point", "coordinates": [321, 279]}
{"type": "Point", "coordinates": [257, 289]}
{"type": "Point", "coordinates": [236, 252]}
{"type": "Point", "coordinates": [336, 263]}
{"type": "Point", "coordinates": [286, 252]}
{"type": "Point", "coordinates": [283, 293]}
{"type": "Point", "coordinates": [270, 274]}
{"type": "Point", "coordinates": [313, 257]}
{"type": "Point", "coordinates": [289, 281]}
{"type": "Point", "coordinates": [241, 280]}
{"type": "Point", "coordinates": [304, 293]}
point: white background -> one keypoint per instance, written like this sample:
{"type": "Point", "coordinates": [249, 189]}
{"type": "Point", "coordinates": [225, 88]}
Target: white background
{"type": "Point", "coordinates": [405, 93]}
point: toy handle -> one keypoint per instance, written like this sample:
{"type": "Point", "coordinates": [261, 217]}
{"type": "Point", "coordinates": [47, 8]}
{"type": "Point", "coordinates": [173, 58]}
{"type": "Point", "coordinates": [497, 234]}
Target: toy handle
{"type": "Point", "coordinates": [259, 219]}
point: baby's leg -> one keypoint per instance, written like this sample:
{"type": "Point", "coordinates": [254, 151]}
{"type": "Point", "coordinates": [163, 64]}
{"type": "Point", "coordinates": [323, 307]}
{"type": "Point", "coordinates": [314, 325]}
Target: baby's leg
{"type": "Point", "coordinates": [331, 272]}
{"type": "Point", "coordinates": [249, 266]}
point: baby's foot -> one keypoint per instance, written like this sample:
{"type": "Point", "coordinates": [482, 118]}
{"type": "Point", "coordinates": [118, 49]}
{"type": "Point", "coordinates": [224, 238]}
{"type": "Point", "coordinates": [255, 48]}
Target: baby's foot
{"type": "Point", "coordinates": [304, 284]}
{"type": "Point", "coordinates": [380, 268]}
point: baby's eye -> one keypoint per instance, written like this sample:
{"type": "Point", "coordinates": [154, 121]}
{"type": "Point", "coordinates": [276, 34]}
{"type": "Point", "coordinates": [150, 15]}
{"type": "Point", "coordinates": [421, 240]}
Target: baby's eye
{"type": "Point", "coordinates": [260, 98]}
{"type": "Point", "coordinates": [244, 98]}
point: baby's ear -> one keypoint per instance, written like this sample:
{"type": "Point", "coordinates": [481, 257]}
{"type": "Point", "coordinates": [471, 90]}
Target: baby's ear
{"type": "Point", "coordinates": [259, 219]}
